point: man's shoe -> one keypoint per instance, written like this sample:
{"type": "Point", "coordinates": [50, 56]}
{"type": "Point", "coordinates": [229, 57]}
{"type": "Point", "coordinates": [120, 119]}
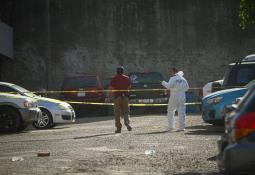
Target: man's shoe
{"type": "Point", "coordinates": [180, 130]}
{"type": "Point", "coordinates": [118, 131]}
{"type": "Point", "coordinates": [129, 128]}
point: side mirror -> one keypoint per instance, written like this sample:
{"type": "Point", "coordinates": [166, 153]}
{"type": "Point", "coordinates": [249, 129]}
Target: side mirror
{"type": "Point", "coordinates": [216, 86]}
{"type": "Point", "coordinates": [228, 109]}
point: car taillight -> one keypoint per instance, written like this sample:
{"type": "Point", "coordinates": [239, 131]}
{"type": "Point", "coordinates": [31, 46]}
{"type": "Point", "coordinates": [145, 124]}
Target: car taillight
{"type": "Point", "coordinates": [100, 92]}
{"type": "Point", "coordinates": [245, 125]}
{"type": "Point", "coordinates": [70, 92]}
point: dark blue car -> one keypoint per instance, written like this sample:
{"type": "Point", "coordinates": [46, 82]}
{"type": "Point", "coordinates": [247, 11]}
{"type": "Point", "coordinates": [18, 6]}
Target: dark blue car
{"type": "Point", "coordinates": [237, 145]}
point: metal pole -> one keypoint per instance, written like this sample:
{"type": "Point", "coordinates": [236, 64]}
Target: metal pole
{"type": "Point", "coordinates": [48, 64]}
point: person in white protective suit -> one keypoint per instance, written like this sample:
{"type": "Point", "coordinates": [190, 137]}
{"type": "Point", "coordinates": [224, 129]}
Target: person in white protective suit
{"type": "Point", "coordinates": [177, 85]}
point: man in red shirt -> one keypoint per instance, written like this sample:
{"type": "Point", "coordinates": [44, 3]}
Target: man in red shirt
{"type": "Point", "coordinates": [121, 83]}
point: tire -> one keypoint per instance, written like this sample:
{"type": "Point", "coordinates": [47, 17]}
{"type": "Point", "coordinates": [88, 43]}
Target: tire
{"type": "Point", "coordinates": [45, 121]}
{"type": "Point", "coordinates": [10, 120]}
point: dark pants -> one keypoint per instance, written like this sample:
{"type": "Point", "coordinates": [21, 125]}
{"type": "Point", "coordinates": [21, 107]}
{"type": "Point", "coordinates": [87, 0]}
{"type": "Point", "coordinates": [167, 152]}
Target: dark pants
{"type": "Point", "coordinates": [121, 109]}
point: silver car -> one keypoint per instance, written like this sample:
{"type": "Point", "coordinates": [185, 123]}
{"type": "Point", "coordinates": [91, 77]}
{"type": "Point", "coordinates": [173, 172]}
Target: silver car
{"type": "Point", "coordinates": [53, 111]}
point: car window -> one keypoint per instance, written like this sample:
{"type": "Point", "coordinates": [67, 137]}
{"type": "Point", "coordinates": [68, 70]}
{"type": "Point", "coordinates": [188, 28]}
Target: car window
{"type": "Point", "coordinates": [80, 82]}
{"type": "Point", "coordinates": [248, 101]}
{"type": "Point", "coordinates": [251, 104]}
{"type": "Point", "coordinates": [239, 75]}
{"type": "Point", "coordinates": [151, 77]}
{"type": "Point", "coordinates": [7, 89]}
{"type": "Point", "coordinates": [245, 75]}
{"type": "Point", "coordinates": [23, 90]}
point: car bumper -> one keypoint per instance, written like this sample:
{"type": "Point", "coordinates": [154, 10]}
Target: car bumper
{"type": "Point", "coordinates": [149, 101]}
{"type": "Point", "coordinates": [212, 113]}
{"type": "Point", "coordinates": [63, 116]}
{"type": "Point", "coordinates": [29, 115]}
{"type": "Point", "coordinates": [236, 158]}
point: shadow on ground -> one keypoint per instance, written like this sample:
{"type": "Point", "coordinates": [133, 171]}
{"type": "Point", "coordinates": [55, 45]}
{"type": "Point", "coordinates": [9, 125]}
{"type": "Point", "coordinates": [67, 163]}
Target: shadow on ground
{"type": "Point", "coordinates": [196, 173]}
{"type": "Point", "coordinates": [97, 135]}
{"type": "Point", "coordinates": [148, 133]}
{"type": "Point", "coordinates": [93, 119]}
{"type": "Point", "coordinates": [100, 118]}
{"type": "Point", "coordinates": [205, 130]}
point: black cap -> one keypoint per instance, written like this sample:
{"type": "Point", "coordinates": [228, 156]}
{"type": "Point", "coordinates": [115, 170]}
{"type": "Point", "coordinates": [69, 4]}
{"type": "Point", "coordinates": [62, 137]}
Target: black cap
{"type": "Point", "coordinates": [120, 70]}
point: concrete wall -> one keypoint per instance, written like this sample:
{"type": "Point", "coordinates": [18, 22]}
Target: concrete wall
{"type": "Point", "coordinates": [199, 37]}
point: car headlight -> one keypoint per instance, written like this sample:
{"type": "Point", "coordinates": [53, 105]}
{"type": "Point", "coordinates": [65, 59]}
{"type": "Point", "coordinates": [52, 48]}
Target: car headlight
{"type": "Point", "coordinates": [214, 100]}
{"type": "Point", "coordinates": [30, 104]}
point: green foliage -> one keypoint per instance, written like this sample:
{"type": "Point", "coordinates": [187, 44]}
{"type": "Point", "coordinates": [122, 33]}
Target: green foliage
{"type": "Point", "coordinates": [247, 13]}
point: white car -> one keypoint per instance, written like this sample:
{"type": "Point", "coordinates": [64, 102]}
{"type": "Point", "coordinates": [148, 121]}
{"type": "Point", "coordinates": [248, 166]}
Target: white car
{"type": "Point", "coordinates": [53, 111]}
{"type": "Point", "coordinates": [17, 111]}
{"type": "Point", "coordinates": [208, 88]}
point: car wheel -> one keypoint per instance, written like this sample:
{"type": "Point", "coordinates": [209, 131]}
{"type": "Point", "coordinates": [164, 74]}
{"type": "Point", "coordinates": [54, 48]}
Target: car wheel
{"type": "Point", "coordinates": [10, 120]}
{"type": "Point", "coordinates": [45, 121]}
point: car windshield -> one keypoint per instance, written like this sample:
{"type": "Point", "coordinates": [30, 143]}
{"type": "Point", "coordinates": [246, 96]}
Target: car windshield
{"type": "Point", "coordinates": [80, 82]}
{"type": "Point", "coordinates": [150, 77]}
{"type": "Point", "coordinates": [239, 75]}
{"type": "Point", "coordinates": [24, 91]}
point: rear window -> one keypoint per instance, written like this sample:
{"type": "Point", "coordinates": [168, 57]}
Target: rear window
{"type": "Point", "coordinates": [239, 75]}
{"type": "Point", "coordinates": [149, 78]}
{"type": "Point", "coordinates": [80, 82]}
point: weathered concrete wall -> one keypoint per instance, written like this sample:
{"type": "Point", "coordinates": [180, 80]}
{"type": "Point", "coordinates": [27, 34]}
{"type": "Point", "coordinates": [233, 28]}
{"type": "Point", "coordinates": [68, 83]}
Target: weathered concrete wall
{"type": "Point", "coordinates": [94, 36]}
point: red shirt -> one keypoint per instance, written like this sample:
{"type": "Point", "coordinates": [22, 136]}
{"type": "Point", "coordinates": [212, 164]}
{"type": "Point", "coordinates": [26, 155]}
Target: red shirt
{"type": "Point", "coordinates": [120, 82]}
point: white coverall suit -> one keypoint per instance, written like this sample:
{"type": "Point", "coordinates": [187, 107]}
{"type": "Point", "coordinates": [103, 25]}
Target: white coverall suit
{"type": "Point", "coordinates": [178, 85]}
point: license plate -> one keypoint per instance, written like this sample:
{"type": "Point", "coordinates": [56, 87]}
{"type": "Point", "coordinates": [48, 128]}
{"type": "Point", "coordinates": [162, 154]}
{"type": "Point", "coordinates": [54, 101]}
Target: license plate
{"type": "Point", "coordinates": [81, 94]}
{"type": "Point", "coordinates": [146, 101]}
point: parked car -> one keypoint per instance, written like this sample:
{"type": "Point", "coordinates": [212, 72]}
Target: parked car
{"type": "Point", "coordinates": [237, 145]}
{"type": "Point", "coordinates": [212, 87]}
{"type": "Point", "coordinates": [53, 111]}
{"type": "Point", "coordinates": [237, 75]}
{"type": "Point", "coordinates": [17, 111]}
{"type": "Point", "coordinates": [143, 81]}
{"type": "Point", "coordinates": [213, 104]}
{"type": "Point", "coordinates": [87, 88]}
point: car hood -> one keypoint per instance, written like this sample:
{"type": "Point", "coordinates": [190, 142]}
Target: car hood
{"type": "Point", "coordinates": [223, 92]}
{"type": "Point", "coordinates": [44, 99]}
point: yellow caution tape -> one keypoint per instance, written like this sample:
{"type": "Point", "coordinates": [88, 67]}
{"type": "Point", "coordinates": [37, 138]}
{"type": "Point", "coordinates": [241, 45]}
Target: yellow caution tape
{"type": "Point", "coordinates": [90, 103]}
{"type": "Point", "coordinates": [131, 104]}
{"type": "Point", "coordinates": [107, 90]}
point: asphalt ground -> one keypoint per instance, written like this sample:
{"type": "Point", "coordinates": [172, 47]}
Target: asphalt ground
{"type": "Point", "coordinates": [90, 146]}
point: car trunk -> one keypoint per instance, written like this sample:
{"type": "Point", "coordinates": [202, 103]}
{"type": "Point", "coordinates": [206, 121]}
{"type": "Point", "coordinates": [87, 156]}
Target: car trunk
{"type": "Point", "coordinates": [147, 91]}
{"type": "Point", "coordinates": [84, 93]}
